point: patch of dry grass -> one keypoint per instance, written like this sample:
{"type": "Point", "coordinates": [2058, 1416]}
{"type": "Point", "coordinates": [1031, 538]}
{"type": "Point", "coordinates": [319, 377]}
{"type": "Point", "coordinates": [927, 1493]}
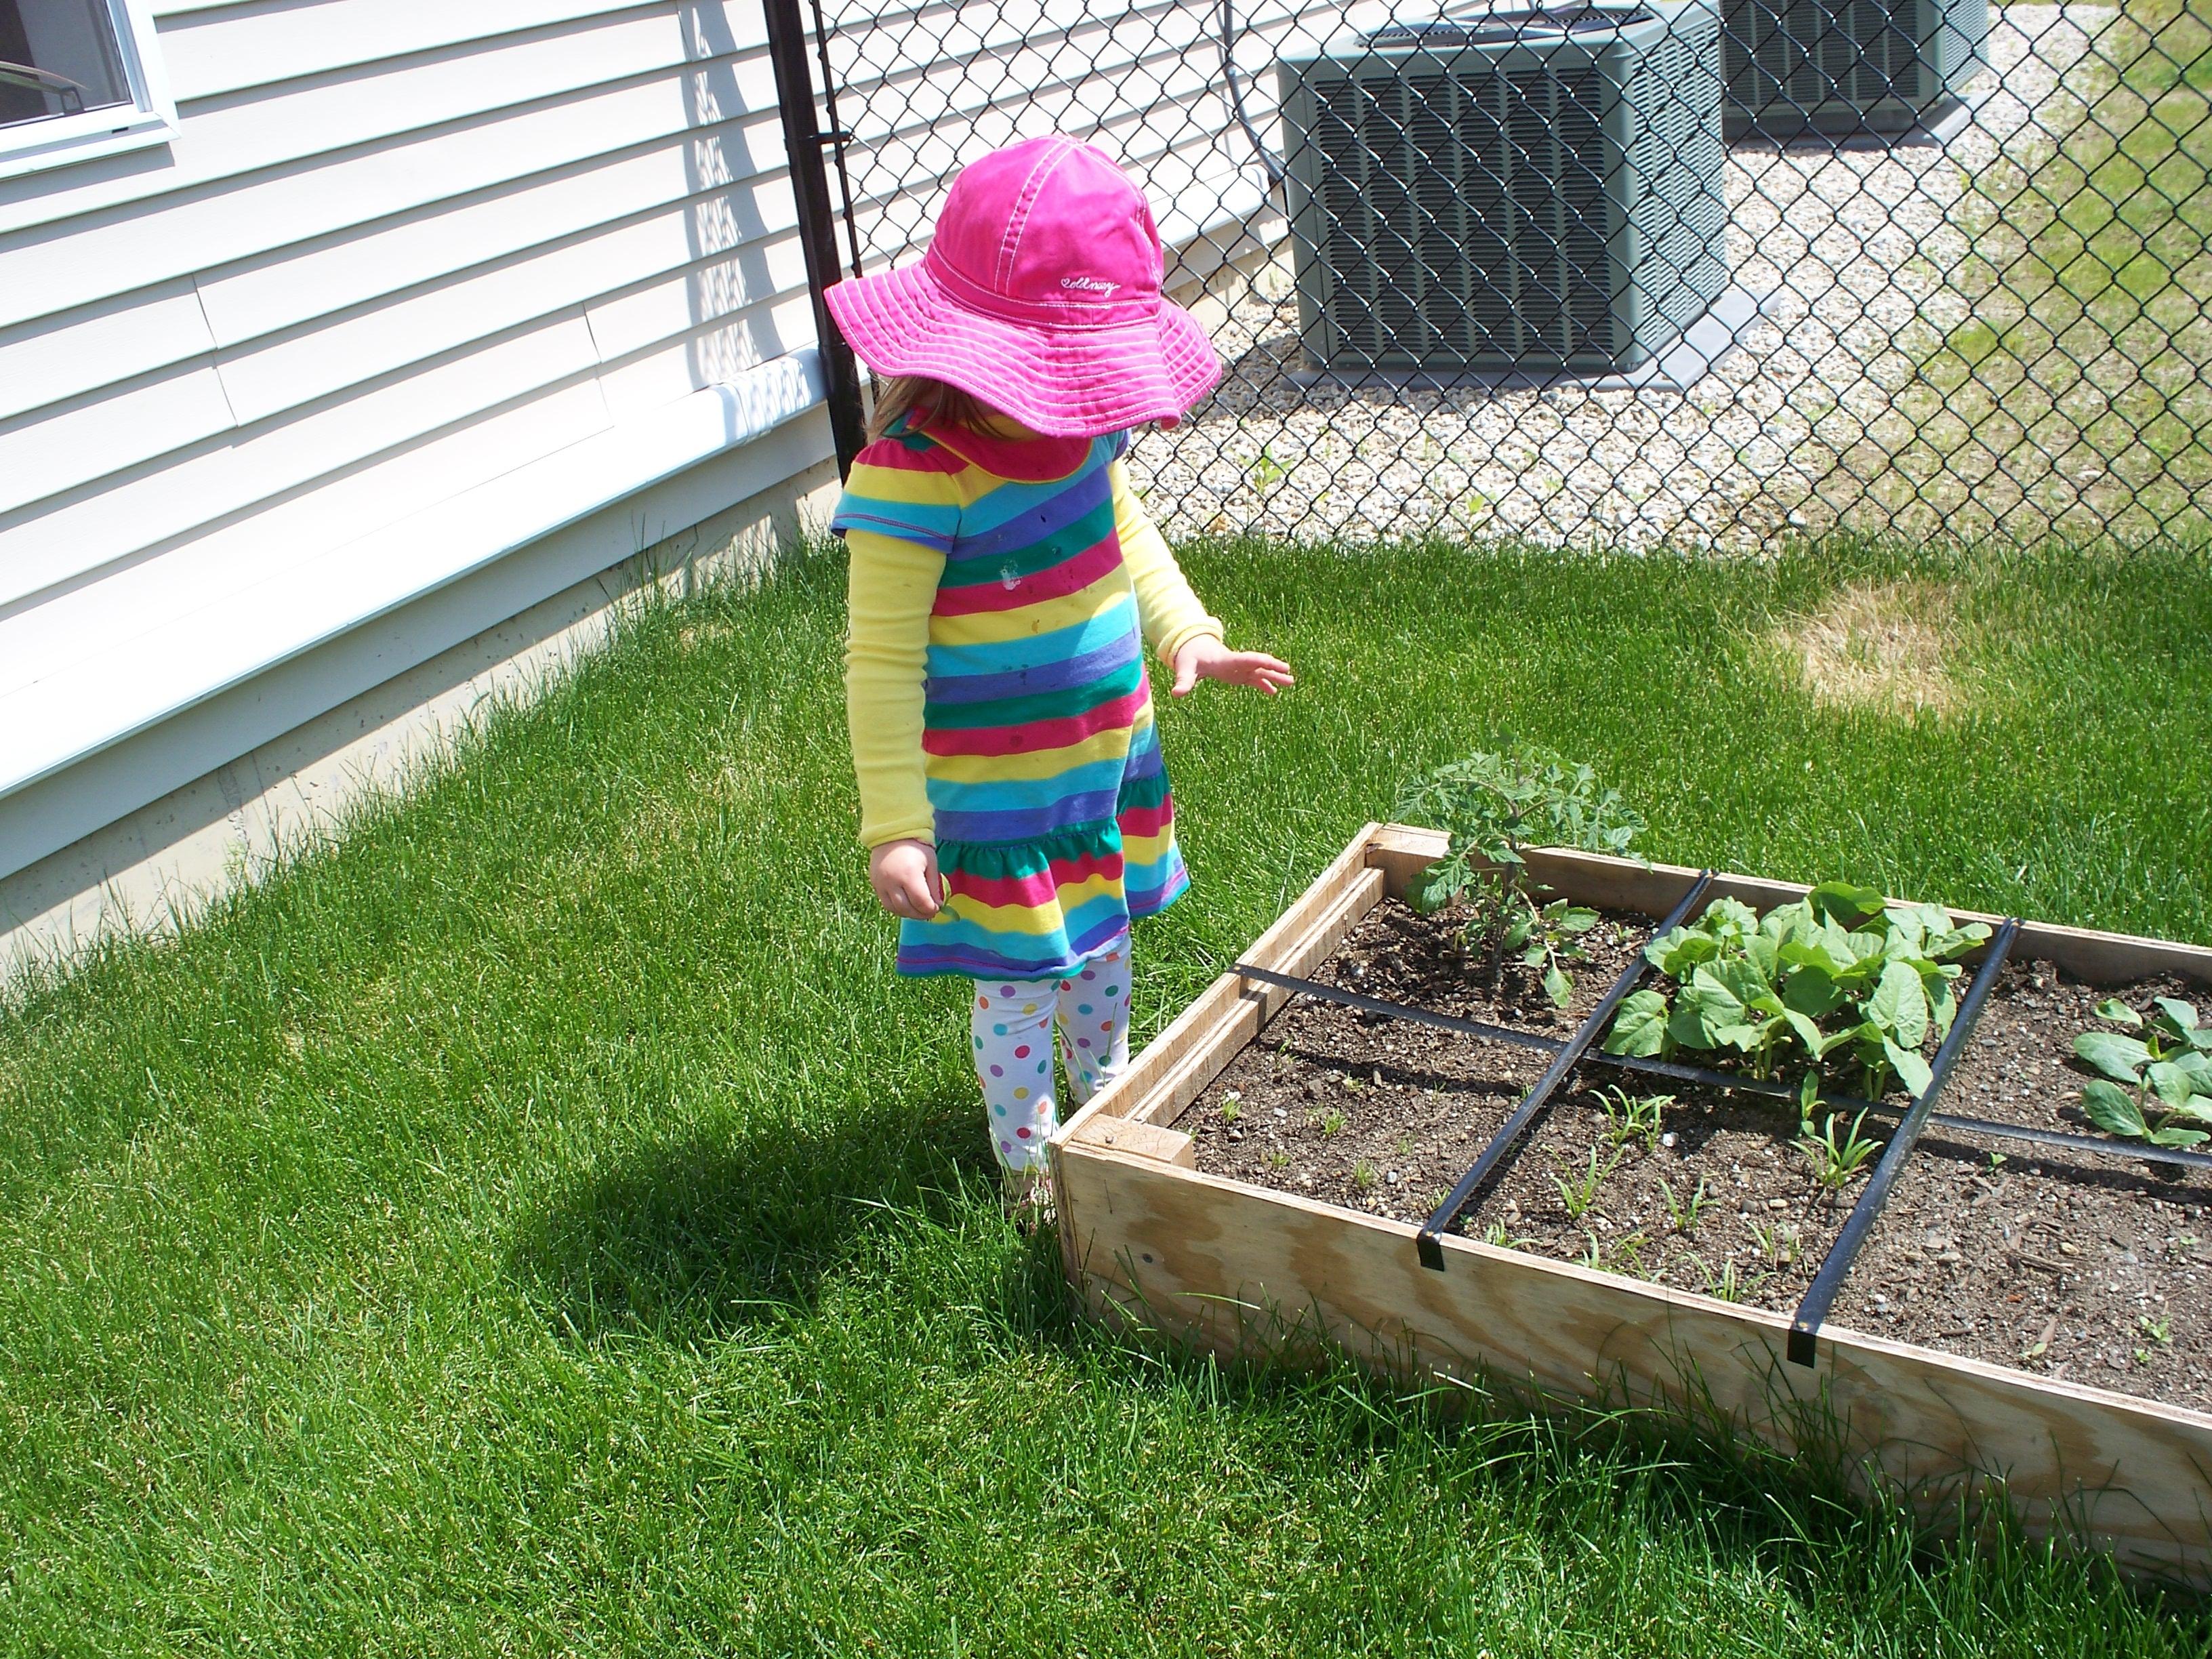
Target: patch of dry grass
{"type": "Point", "coordinates": [1877, 644]}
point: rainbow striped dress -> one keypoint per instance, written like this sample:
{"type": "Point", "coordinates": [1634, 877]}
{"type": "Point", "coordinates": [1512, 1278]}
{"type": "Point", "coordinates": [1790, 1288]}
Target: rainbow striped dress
{"type": "Point", "coordinates": [1049, 797]}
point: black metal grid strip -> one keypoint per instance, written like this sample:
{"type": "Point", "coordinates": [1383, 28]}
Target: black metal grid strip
{"type": "Point", "coordinates": [1821, 1293]}
{"type": "Point", "coordinates": [1427, 1244]}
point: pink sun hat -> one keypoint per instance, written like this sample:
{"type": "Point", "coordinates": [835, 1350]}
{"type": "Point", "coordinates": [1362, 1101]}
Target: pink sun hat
{"type": "Point", "coordinates": [1040, 294]}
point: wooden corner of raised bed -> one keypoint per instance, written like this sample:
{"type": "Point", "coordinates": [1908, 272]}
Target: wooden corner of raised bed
{"type": "Point", "coordinates": [1232, 1265]}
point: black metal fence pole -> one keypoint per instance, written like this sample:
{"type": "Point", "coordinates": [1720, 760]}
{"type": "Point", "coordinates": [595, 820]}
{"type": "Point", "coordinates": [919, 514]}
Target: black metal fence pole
{"type": "Point", "coordinates": [803, 139]}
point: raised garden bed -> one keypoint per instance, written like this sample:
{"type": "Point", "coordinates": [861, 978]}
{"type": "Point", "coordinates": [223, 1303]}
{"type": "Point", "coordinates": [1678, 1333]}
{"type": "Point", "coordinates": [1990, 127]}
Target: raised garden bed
{"type": "Point", "coordinates": [1366, 1136]}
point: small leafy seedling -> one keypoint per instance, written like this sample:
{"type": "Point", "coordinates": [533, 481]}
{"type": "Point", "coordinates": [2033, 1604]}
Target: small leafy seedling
{"type": "Point", "coordinates": [2158, 1330]}
{"type": "Point", "coordinates": [1633, 1117]}
{"type": "Point", "coordinates": [1331, 1123]}
{"type": "Point", "coordinates": [1495, 805]}
{"type": "Point", "coordinates": [1363, 1175]}
{"type": "Point", "coordinates": [2166, 1072]}
{"type": "Point", "coordinates": [1777, 1244]}
{"type": "Point", "coordinates": [1834, 1162]}
{"type": "Point", "coordinates": [1684, 1213]}
{"type": "Point", "coordinates": [1728, 1286]}
{"type": "Point", "coordinates": [1230, 1110]}
{"type": "Point", "coordinates": [1578, 1193]}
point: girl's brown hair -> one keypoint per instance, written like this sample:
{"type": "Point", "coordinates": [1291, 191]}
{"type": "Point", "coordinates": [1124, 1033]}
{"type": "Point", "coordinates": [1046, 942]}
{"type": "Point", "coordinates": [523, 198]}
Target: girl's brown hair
{"type": "Point", "coordinates": [928, 400]}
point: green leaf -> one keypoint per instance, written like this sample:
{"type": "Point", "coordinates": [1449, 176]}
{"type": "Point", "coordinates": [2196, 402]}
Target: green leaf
{"type": "Point", "coordinates": [2120, 1058]}
{"type": "Point", "coordinates": [1728, 919]}
{"type": "Point", "coordinates": [1576, 920]}
{"type": "Point", "coordinates": [1813, 992]}
{"type": "Point", "coordinates": [2169, 1083]}
{"type": "Point", "coordinates": [2171, 1137]}
{"type": "Point", "coordinates": [2113, 1110]}
{"type": "Point", "coordinates": [1844, 903]}
{"type": "Point", "coordinates": [2182, 1014]}
{"type": "Point", "coordinates": [1438, 885]}
{"type": "Point", "coordinates": [1679, 952]}
{"type": "Point", "coordinates": [1912, 1070]}
{"type": "Point", "coordinates": [1807, 1033]}
{"type": "Point", "coordinates": [1740, 975]}
{"type": "Point", "coordinates": [1640, 1027]}
{"type": "Point", "coordinates": [1534, 955]}
{"type": "Point", "coordinates": [2113, 1009]}
{"type": "Point", "coordinates": [1557, 987]}
{"type": "Point", "coordinates": [1899, 1006]}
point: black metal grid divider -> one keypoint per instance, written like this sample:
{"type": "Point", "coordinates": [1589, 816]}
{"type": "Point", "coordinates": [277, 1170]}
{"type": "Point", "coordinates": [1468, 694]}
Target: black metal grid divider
{"type": "Point", "coordinates": [1821, 1293]}
{"type": "Point", "coordinates": [1986, 1129]}
{"type": "Point", "coordinates": [1427, 1243]}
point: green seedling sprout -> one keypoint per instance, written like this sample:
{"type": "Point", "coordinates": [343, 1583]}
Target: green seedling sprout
{"type": "Point", "coordinates": [1495, 805]}
{"type": "Point", "coordinates": [2156, 1086]}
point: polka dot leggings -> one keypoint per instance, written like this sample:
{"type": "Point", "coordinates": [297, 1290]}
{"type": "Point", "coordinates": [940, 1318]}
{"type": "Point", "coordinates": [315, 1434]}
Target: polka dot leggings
{"type": "Point", "coordinates": [1011, 1022]}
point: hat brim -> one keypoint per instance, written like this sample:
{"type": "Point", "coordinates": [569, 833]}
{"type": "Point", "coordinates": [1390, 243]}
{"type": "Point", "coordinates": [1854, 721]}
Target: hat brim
{"type": "Point", "coordinates": [1064, 382]}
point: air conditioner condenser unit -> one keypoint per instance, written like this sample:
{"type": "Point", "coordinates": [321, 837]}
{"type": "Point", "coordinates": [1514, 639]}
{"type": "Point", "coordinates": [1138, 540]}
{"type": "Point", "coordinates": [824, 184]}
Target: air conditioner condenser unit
{"type": "Point", "coordinates": [1508, 188]}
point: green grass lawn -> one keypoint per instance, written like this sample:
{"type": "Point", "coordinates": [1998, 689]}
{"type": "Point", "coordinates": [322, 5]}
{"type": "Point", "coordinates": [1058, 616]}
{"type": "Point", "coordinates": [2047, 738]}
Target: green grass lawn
{"type": "Point", "coordinates": [543, 1223]}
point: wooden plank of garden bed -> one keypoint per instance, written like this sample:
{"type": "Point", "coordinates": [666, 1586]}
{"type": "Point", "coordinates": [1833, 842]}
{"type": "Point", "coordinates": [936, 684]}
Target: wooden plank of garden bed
{"type": "Point", "coordinates": [1239, 1269]}
{"type": "Point", "coordinates": [1175, 1067]}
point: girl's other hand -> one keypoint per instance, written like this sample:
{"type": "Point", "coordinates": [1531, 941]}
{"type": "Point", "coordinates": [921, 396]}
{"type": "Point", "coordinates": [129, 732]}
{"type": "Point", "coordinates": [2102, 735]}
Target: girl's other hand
{"type": "Point", "coordinates": [904, 875]}
{"type": "Point", "coordinates": [1206, 659]}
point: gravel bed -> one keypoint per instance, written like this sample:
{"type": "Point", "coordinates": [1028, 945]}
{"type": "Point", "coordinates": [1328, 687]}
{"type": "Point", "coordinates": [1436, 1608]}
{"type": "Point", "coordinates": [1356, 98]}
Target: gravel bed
{"type": "Point", "coordinates": [1815, 415]}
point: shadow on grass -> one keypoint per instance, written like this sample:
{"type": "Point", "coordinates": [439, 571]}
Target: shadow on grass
{"type": "Point", "coordinates": [733, 1229]}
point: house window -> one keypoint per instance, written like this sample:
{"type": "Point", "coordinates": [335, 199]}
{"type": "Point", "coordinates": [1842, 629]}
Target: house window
{"type": "Point", "coordinates": [78, 78]}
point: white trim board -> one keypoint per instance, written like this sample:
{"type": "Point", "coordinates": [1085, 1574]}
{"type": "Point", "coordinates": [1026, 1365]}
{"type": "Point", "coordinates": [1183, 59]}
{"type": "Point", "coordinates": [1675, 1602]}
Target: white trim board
{"type": "Point", "coordinates": [70, 729]}
{"type": "Point", "coordinates": [158, 866]}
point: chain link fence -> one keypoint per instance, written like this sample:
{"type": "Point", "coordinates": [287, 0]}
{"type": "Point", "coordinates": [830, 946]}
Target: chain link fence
{"type": "Point", "coordinates": [1619, 272]}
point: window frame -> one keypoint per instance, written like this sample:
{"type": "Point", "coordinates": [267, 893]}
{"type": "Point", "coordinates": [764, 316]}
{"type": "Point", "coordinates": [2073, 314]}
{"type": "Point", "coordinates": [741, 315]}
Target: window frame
{"type": "Point", "coordinates": [150, 118]}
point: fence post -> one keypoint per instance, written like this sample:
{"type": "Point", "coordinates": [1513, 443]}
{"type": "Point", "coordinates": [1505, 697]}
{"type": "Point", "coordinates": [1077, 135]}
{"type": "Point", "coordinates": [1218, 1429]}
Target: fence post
{"type": "Point", "coordinates": [817, 220]}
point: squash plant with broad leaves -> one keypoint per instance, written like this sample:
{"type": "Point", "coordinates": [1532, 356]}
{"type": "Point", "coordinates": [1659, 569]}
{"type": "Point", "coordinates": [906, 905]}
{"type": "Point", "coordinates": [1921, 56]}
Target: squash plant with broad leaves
{"type": "Point", "coordinates": [1495, 805]}
{"type": "Point", "coordinates": [1840, 974]}
{"type": "Point", "coordinates": [2167, 1071]}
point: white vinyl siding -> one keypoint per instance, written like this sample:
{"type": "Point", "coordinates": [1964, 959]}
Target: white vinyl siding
{"type": "Point", "coordinates": [396, 252]}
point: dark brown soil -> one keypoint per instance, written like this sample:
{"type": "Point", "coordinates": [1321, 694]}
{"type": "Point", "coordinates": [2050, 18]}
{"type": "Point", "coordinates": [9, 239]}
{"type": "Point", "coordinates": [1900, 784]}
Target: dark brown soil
{"type": "Point", "coordinates": [1384, 1116]}
{"type": "Point", "coordinates": [2096, 1274]}
{"type": "Point", "coordinates": [2073, 1265]}
{"type": "Point", "coordinates": [2077, 1266]}
{"type": "Point", "coordinates": [1380, 1114]}
{"type": "Point", "coordinates": [1396, 953]}
{"type": "Point", "coordinates": [1757, 1237]}
{"type": "Point", "coordinates": [2020, 1068]}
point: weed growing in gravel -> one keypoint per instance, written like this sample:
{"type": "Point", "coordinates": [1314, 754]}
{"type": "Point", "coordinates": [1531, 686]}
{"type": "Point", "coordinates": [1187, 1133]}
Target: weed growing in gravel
{"type": "Point", "coordinates": [1778, 1241]}
{"type": "Point", "coordinates": [1728, 1285]}
{"type": "Point", "coordinates": [1683, 1214]}
{"type": "Point", "coordinates": [1633, 1117]}
{"type": "Point", "coordinates": [1578, 1193]}
{"type": "Point", "coordinates": [1331, 1123]}
{"type": "Point", "coordinates": [1495, 805]}
{"type": "Point", "coordinates": [1834, 1162]}
{"type": "Point", "coordinates": [2168, 1067]}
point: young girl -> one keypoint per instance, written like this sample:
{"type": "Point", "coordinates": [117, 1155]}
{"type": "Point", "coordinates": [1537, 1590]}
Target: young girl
{"type": "Point", "coordinates": [1004, 582]}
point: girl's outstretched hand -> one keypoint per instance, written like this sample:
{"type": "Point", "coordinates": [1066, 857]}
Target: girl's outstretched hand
{"type": "Point", "coordinates": [1206, 659]}
{"type": "Point", "coordinates": [904, 875]}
